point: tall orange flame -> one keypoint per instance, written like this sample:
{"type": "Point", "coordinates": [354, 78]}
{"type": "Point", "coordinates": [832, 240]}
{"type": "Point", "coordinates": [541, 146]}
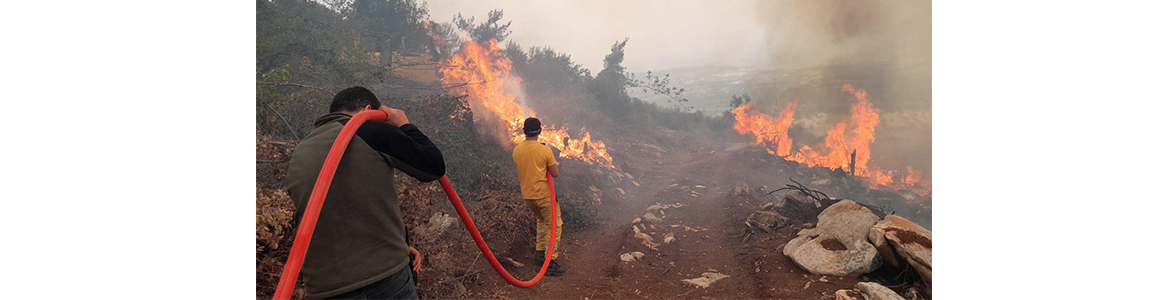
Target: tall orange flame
{"type": "Point", "coordinates": [486, 75]}
{"type": "Point", "coordinates": [769, 132]}
{"type": "Point", "coordinates": [853, 134]}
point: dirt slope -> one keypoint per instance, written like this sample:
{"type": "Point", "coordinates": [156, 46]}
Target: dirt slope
{"type": "Point", "coordinates": [708, 230]}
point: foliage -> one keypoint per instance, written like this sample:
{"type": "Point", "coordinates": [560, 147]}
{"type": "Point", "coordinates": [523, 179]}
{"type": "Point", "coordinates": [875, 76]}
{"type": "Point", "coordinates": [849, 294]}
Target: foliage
{"type": "Point", "coordinates": [737, 101]}
{"type": "Point", "coordinates": [486, 31]}
{"type": "Point", "coordinates": [393, 25]}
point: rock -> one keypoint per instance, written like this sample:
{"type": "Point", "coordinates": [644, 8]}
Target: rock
{"type": "Point", "coordinates": [766, 220]}
{"type": "Point", "coordinates": [621, 191]}
{"type": "Point", "coordinates": [741, 190]}
{"type": "Point", "coordinates": [668, 238]}
{"type": "Point", "coordinates": [839, 244]}
{"type": "Point", "coordinates": [795, 205]}
{"type": "Point", "coordinates": [847, 295]}
{"type": "Point", "coordinates": [636, 221]}
{"type": "Point", "coordinates": [626, 257]}
{"type": "Point", "coordinates": [594, 194]}
{"type": "Point", "coordinates": [875, 291]}
{"type": "Point", "coordinates": [650, 217]}
{"type": "Point", "coordinates": [647, 241]}
{"type": "Point", "coordinates": [707, 279]}
{"type": "Point", "coordinates": [823, 254]}
{"type": "Point", "coordinates": [699, 186]}
{"type": "Point", "coordinates": [656, 206]}
{"type": "Point", "coordinates": [847, 221]}
{"type": "Point", "coordinates": [435, 226]}
{"type": "Point", "coordinates": [825, 181]}
{"type": "Point", "coordinates": [632, 256]}
{"type": "Point", "coordinates": [910, 242]}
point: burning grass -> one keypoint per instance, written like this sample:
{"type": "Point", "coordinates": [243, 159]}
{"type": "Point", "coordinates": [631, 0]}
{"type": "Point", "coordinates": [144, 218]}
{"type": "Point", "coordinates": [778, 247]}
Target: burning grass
{"type": "Point", "coordinates": [846, 145]}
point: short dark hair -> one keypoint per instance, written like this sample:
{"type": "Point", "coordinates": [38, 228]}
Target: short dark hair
{"type": "Point", "coordinates": [353, 99]}
{"type": "Point", "coordinates": [531, 127]}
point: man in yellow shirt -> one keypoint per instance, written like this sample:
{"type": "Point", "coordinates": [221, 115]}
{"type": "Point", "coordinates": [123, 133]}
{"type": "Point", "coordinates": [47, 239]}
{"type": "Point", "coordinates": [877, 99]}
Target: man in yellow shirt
{"type": "Point", "coordinates": [533, 159]}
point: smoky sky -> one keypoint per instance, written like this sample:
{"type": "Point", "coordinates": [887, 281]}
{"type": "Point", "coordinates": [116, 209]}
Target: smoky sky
{"type": "Point", "coordinates": [687, 33]}
{"type": "Point", "coordinates": [663, 34]}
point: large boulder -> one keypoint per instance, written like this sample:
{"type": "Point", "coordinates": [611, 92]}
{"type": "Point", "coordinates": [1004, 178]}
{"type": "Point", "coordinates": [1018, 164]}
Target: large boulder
{"type": "Point", "coordinates": [847, 221]}
{"type": "Point", "coordinates": [838, 245]}
{"type": "Point", "coordinates": [823, 254]}
{"type": "Point", "coordinates": [901, 241]}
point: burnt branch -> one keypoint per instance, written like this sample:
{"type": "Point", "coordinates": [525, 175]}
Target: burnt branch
{"type": "Point", "coordinates": [811, 193]}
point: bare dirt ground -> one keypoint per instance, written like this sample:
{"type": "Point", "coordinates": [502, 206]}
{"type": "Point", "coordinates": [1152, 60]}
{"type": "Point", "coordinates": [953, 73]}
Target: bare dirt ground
{"type": "Point", "coordinates": [708, 229]}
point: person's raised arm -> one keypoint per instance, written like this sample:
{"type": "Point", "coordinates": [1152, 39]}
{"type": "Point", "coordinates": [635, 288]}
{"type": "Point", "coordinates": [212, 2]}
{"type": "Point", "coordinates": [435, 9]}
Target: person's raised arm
{"type": "Point", "coordinates": [405, 147]}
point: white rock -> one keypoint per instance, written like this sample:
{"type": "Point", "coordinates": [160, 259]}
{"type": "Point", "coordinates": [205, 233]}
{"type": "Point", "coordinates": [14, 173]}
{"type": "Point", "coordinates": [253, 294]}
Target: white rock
{"type": "Point", "coordinates": [668, 238]}
{"type": "Point", "coordinates": [707, 279]}
{"type": "Point", "coordinates": [627, 257]}
{"type": "Point", "coordinates": [650, 217]}
{"type": "Point", "coordinates": [875, 291]}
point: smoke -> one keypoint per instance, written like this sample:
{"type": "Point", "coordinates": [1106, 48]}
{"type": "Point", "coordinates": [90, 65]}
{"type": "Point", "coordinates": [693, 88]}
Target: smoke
{"type": "Point", "coordinates": [803, 34]}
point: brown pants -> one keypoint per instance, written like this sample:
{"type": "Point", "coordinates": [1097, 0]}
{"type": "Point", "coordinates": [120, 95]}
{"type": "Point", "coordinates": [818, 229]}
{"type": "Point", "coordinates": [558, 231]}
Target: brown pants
{"type": "Point", "coordinates": [542, 208]}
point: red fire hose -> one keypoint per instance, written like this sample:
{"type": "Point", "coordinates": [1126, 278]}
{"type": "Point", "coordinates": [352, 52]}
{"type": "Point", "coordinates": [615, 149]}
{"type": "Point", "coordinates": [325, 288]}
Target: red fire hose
{"type": "Point", "coordinates": [296, 256]}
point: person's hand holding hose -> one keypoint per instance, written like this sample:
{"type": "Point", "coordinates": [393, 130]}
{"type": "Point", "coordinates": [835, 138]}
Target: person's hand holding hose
{"type": "Point", "coordinates": [395, 116]}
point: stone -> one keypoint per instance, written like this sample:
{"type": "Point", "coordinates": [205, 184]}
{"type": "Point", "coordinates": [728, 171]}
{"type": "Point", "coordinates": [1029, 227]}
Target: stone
{"type": "Point", "coordinates": [824, 181]}
{"type": "Point", "coordinates": [626, 257]}
{"type": "Point", "coordinates": [668, 238]}
{"type": "Point", "coordinates": [632, 256]}
{"type": "Point", "coordinates": [647, 241]}
{"type": "Point", "coordinates": [823, 254]}
{"type": "Point", "coordinates": [766, 220]}
{"type": "Point", "coordinates": [650, 217]}
{"type": "Point", "coordinates": [438, 223]}
{"type": "Point", "coordinates": [901, 240]}
{"type": "Point", "coordinates": [707, 279]}
{"type": "Point", "coordinates": [847, 295]}
{"type": "Point", "coordinates": [875, 291]}
{"type": "Point", "coordinates": [795, 205]}
{"type": "Point", "coordinates": [839, 244]}
{"type": "Point", "coordinates": [741, 190]}
{"type": "Point", "coordinates": [846, 221]}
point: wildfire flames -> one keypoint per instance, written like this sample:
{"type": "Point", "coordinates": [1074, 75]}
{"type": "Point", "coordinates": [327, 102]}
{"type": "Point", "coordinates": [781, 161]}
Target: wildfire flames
{"type": "Point", "coordinates": [853, 134]}
{"type": "Point", "coordinates": [486, 75]}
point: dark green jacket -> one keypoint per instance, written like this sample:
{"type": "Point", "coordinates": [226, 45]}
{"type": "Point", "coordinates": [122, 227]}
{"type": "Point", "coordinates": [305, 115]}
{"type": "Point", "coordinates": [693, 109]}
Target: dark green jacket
{"type": "Point", "coordinates": [360, 237]}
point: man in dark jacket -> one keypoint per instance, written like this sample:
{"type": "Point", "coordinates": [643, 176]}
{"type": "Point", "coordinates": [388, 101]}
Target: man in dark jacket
{"type": "Point", "coordinates": [359, 248]}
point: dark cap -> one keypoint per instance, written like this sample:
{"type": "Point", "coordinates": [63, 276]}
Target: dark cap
{"type": "Point", "coordinates": [531, 126]}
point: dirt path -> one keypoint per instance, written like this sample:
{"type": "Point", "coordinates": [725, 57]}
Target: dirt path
{"type": "Point", "coordinates": [707, 226]}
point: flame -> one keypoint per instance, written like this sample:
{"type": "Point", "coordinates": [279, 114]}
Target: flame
{"type": "Point", "coordinates": [847, 141]}
{"type": "Point", "coordinates": [485, 74]}
{"type": "Point", "coordinates": [768, 131]}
